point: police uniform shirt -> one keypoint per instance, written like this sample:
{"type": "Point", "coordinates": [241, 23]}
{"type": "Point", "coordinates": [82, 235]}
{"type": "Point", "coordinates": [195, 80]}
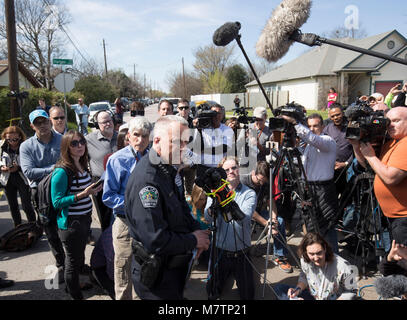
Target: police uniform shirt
{"type": "Point", "coordinates": [156, 211]}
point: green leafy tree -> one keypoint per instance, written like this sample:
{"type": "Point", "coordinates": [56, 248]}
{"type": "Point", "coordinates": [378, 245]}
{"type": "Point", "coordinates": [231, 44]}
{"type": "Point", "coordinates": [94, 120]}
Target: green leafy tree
{"type": "Point", "coordinates": [95, 88]}
{"type": "Point", "coordinates": [237, 77]}
{"type": "Point", "coordinates": [217, 83]}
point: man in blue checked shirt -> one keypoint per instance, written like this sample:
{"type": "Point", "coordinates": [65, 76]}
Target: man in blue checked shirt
{"type": "Point", "coordinates": [118, 169]}
{"type": "Point", "coordinates": [233, 239]}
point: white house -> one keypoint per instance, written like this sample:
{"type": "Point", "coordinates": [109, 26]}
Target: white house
{"type": "Point", "coordinates": [309, 77]}
{"type": "Point", "coordinates": [25, 77]}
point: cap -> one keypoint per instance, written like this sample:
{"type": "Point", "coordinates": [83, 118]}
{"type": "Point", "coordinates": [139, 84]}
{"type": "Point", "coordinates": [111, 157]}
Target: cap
{"type": "Point", "coordinates": [260, 112]}
{"type": "Point", "coordinates": [399, 231]}
{"type": "Point", "coordinates": [377, 95]}
{"type": "Point", "coordinates": [38, 113]}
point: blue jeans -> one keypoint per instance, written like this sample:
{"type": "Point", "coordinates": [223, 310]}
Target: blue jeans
{"type": "Point", "coordinates": [279, 243]}
{"type": "Point", "coordinates": [332, 238]}
{"type": "Point", "coordinates": [282, 289]}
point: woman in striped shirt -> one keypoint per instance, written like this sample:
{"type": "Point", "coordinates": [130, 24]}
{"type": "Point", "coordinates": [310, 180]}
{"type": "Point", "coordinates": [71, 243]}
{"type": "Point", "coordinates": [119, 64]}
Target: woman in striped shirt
{"type": "Point", "coordinates": [75, 205]}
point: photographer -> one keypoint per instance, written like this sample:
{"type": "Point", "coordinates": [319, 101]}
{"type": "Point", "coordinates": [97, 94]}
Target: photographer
{"type": "Point", "coordinates": [344, 155]}
{"type": "Point", "coordinates": [390, 184]}
{"type": "Point", "coordinates": [319, 163]}
{"type": "Point", "coordinates": [159, 219]}
{"type": "Point", "coordinates": [215, 138]}
{"type": "Point", "coordinates": [233, 239]}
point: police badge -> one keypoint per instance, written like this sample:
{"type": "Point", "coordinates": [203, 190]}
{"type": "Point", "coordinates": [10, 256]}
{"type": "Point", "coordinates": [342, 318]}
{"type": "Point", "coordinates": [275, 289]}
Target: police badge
{"type": "Point", "coordinates": [149, 197]}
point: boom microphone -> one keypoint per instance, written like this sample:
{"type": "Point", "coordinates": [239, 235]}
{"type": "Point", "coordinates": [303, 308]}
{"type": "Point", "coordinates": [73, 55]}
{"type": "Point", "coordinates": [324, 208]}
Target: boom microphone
{"type": "Point", "coordinates": [391, 286]}
{"type": "Point", "coordinates": [275, 40]}
{"type": "Point", "coordinates": [226, 33]}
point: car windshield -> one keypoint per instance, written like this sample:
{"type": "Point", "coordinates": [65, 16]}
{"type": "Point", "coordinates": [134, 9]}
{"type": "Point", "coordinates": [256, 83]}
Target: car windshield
{"type": "Point", "coordinates": [97, 107]}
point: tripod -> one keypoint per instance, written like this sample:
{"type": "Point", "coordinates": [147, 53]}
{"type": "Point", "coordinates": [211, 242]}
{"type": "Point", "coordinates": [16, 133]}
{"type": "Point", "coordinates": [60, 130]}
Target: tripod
{"type": "Point", "coordinates": [290, 154]}
{"type": "Point", "coordinates": [368, 229]}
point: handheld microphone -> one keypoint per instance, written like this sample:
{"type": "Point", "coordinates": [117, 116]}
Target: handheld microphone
{"type": "Point", "coordinates": [226, 33]}
{"type": "Point", "coordinates": [391, 286]}
{"type": "Point", "coordinates": [275, 39]}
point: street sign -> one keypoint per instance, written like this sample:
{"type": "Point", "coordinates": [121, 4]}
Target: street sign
{"type": "Point", "coordinates": [64, 82]}
{"type": "Point", "coordinates": [63, 61]}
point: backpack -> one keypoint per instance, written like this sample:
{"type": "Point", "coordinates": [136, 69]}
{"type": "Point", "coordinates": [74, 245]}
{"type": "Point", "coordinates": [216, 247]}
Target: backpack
{"type": "Point", "coordinates": [21, 237]}
{"type": "Point", "coordinates": [46, 211]}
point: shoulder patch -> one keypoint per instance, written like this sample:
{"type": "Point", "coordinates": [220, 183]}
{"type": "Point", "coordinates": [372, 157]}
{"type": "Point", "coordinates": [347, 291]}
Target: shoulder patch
{"type": "Point", "coordinates": [149, 197]}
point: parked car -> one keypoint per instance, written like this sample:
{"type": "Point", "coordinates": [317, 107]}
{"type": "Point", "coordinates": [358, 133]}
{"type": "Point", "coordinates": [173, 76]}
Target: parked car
{"type": "Point", "coordinates": [98, 106]}
{"type": "Point", "coordinates": [174, 101]}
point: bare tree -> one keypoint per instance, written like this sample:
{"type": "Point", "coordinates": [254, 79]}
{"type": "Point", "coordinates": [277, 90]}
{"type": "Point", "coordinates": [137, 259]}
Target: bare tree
{"type": "Point", "coordinates": [341, 32]}
{"type": "Point", "coordinates": [193, 84]}
{"type": "Point", "coordinates": [38, 35]}
{"type": "Point", "coordinates": [211, 58]}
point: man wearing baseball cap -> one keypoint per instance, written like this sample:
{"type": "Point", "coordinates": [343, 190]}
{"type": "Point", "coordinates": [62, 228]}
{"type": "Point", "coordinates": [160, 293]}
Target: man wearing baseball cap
{"type": "Point", "coordinates": [38, 156]}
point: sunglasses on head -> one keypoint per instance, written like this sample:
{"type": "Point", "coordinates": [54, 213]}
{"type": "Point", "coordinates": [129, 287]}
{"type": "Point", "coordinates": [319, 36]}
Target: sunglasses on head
{"type": "Point", "coordinates": [75, 143]}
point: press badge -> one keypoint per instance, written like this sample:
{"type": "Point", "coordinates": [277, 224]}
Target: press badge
{"type": "Point", "coordinates": [149, 197]}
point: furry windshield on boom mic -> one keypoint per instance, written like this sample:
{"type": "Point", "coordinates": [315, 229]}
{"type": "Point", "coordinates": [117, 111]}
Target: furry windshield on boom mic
{"type": "Point", "coordinates": [226, 33]}
{"type": "Point", "coordinates": [289, 16]}
{"type": "Point", "coordinates": [391, 286]}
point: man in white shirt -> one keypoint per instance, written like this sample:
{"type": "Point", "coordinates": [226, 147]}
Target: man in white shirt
{"type": "Point", "coordinates": [213, 141]}
{"type": "Point", "coordinates": [319, 164]}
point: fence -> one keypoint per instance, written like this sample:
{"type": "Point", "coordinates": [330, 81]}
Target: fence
{"type": "Point", "coordinates": [249, 99]}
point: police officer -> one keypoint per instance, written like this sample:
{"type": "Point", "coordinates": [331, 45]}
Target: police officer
{"type": "Point", "coordinates": [159, 218]}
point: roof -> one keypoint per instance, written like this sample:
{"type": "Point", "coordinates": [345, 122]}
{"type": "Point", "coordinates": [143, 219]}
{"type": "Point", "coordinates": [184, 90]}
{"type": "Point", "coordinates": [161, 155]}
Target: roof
{"type": "Point", "coordinates": [324, 60]}
{"type": "Point", "coordinates": [24, 71]}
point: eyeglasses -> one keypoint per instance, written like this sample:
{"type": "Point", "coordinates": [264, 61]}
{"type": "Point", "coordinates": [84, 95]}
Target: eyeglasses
{"type": "Point", "coordinates": [183, 108]}
{"type": "Point", "coordinates": [13, 140]}
{"type": "Point", "coordinates": [39, 123]}
{"type": "Point", "coordinates": [105, 122]}
{"type": "Point", "coordinates": [231, 169]}
{"type": "Point", "coordinates": [58, 118]}
{"type": "Point", "coordinates": [75, 143]}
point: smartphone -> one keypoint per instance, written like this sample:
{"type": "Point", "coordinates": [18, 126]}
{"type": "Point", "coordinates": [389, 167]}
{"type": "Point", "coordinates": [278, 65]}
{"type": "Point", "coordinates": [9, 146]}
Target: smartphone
{"type": "Point", "coordinates": [98, 183]}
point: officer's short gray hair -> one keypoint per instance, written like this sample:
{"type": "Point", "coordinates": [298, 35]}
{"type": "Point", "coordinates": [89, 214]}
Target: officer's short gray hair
{"type": "Point", "coordinates": [163, 123]}
{"type": "Point", "coordinates": [140, 123]}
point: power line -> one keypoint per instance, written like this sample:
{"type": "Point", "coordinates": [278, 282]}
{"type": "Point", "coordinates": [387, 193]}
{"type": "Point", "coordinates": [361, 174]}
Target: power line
{"type": "Point", "coordinates": [64, 31]}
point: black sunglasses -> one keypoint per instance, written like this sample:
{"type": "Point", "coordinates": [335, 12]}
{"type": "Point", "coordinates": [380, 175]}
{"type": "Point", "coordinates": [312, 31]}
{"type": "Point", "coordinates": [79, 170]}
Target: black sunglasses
{"type": "Point", "coordinates": [183, 108]}
{"type": "Point", "coordinates": [14, 140]}
{"type": "Point", "coordinates": [75, 143]}
{"type": "Point", "coordinates": [59, 118]}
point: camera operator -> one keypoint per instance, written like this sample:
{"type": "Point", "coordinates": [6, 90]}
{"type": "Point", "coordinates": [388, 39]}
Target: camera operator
{"type": "Point", "coordinates": [233, 238]}
{"type": "Point", "coordinates": [215, 140]}
{"type": "Point", "coordinates": [319, 159]}
{"type": "Point", "coordinates": [344, 155]}
{"type": "Point", "coordinates": [159, 219]}
{"type": "Point", "coordinates": [390, 184]}
{"type": "Point", "coordinates": [260, 133]}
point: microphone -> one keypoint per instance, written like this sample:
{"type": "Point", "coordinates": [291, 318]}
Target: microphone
{"type": "Point", "coordinates": [226, 33]}
{"type": "Point", "coordinates": [275, 39]}
{"type": "Point", "coordinates": [391, 286]}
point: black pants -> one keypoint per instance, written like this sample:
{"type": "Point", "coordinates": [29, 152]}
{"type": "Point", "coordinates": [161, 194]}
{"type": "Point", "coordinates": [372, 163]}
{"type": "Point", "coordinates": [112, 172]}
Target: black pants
{"type": "Point", "coordinates": [74, 241]}
{"type": "Point", "coordinates": [16, 184]}
{"type": "Point", "coordinates": [51, 231]}
{"type": "Point", "coordinates": [237, 266]}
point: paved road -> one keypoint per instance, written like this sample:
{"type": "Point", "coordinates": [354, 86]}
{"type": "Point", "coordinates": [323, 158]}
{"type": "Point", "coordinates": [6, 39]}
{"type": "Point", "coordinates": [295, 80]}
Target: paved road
{"type": "Point", "coordinates": [29, 268]}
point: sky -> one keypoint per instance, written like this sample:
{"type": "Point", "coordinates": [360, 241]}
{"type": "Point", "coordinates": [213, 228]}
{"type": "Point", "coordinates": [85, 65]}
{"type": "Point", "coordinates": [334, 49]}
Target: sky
{"type": "Point", "coordinates": [154, 36]}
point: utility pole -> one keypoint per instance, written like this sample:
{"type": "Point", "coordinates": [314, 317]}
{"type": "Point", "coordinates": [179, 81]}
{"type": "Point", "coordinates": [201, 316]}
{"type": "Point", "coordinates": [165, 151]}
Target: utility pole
{"type": "Point", "coordinates": [144, 87]}
{"type": "Point", "coordinates": [134, 72]}
{"type": "Point", "coordinates": [183, 79]}
{"type": "Point", "coordinates": [104, 51]}
{"type": "Point", "coordinates": [12, 58]}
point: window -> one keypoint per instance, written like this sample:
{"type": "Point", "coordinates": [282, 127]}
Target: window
{"type": "Point", "coordinates": [390, 44]}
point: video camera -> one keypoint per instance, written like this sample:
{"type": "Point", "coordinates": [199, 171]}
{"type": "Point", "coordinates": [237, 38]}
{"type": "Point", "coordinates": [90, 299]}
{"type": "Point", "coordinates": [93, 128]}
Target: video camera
{"type": "Point", "coordinates": [205, 116]}
{"type": "Point", "coordinates": [365, 124]}
{"type": "Point", "coordinates": [242, 116]}
{"type": "Point", "coordinates": [292, 110]}
{"type": "Point", "coordinates": [213, 182]}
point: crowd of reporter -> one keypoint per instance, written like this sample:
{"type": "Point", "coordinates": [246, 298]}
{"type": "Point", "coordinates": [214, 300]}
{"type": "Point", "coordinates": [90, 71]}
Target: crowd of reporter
{"type": "Point", "coordinates": [155, 218]}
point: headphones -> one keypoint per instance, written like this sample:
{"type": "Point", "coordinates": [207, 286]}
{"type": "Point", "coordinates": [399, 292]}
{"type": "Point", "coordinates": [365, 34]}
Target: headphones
{"type": "Point", "coordinates": [95, 117]}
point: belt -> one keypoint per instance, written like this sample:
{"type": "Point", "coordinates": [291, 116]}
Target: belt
{"type": "Point", "coordinates": [235, 254]}
{"type": "Point", "coordinates": [120, 215]}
